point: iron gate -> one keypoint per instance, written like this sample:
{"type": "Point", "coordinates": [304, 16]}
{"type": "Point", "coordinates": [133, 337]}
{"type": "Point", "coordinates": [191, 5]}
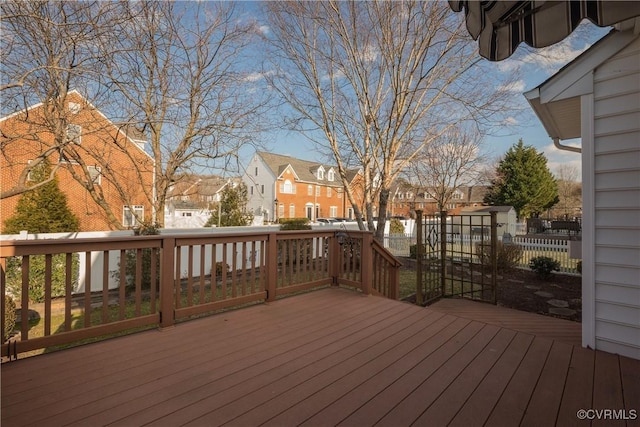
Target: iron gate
{"type": "Point", "coordinates": [456, 257]}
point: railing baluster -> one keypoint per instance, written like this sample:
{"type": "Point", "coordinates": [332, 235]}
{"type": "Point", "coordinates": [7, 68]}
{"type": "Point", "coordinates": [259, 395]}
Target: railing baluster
{"type": "Point", "coordinates": [68, 276]}
{"type": "Point", "coordinates": [122, 285]}
{"type": "Point", "coordinates": [138, 298]}
{"type": "Point", "coordinates": [24, 303]}
{"type": "Point", "coordinates": [202, 289]}
{"type": "Point", "coordinates": [190, 276]}
{"type": "Point", "coordinates": [87, 289]}
{"type": "Point", "coordinates": [105, 287]}
{"type": "Point", "coordinates": [47, 294]}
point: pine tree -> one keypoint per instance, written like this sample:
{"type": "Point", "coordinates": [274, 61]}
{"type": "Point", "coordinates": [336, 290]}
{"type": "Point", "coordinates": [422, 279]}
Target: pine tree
{"type": "Point", "coordinates": [43, 209]}
{"type": "Point", "coordinates": [231, 209]}
{"type": "Point", "coordinates": [523, 181]}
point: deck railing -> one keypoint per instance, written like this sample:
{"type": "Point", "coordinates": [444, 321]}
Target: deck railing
{"type": "Point", "coordinates": [163, 279]}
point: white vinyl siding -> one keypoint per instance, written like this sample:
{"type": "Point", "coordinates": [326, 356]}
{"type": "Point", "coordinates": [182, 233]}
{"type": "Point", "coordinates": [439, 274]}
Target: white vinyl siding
{"type": "Point", "coordinates": [616, 200]}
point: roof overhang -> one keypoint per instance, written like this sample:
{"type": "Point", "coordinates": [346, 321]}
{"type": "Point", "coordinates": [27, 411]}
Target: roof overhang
{"type": "Point", "coordinates": [556, 102]}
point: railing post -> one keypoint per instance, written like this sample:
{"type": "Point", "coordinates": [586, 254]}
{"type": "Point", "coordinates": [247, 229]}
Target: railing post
{"type": "Point", "coordinates": [167, 282]}
{"type": "Point", "coordinates": [443, 251]}
{"type": "Point", "coordinates": [366, 262]}
{"type": "Point", "coordinates": [334, 259]}
{"type": "Point", "coordinates": [494, 256]}
{"type": "Point", "coordinates": [419, 259]}
{"type": "Point", "coordinates": [272, 266]}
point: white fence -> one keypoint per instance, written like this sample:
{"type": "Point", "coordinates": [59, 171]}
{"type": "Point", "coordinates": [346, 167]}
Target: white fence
{"type": "Point", "coordinates": [558, 249]}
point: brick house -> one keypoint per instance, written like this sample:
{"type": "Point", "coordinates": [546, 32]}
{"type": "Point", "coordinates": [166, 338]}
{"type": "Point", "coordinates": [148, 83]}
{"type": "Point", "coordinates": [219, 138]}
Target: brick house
{"type": "Point", "coordinates": [285, 187]}
{"type": "Point", "coordinates": [97, 156]}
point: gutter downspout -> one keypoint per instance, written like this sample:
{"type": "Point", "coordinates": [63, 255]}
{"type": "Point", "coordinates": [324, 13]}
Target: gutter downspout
{"type": "Point", "coordinates": [556, 143]}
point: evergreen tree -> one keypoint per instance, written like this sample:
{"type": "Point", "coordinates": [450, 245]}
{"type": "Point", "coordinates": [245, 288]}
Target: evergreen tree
{"type": "Point", "coordinates": [523, 181]}
{"type": "Point", "coordinates": [231, 210]}
{"type": "Point", "coordinates": [43, 209]}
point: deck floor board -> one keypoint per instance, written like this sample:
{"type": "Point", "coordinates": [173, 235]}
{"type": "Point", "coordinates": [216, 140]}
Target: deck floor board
{"type": "Point", "coordinates": [328, 357]}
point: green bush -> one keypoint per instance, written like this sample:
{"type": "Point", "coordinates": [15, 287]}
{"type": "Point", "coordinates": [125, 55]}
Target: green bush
{"type": "Point", "coordinates": [36, 276]}
{"type": "Point", "coordinates": [508, 254]}
{"type": "Point", "coordinates": [295, 224]}
{"type": "Point", "coordinates": [395, 226]}
{"type": "Point", "coordinates": [413, 251]}
{"type": "Point", "coordinates": [147, 259]}
{"type": "Point", "coordinates": [9, 316]}
{"type": "Point", "coordinates": [543, 266]}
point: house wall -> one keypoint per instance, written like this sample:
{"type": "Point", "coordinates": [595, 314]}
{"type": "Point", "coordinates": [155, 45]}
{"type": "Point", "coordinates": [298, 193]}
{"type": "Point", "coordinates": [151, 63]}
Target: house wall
{"type": "Point", "coordinates": [257, 175]}
{"type": "Point", "coordinates": [320, 197]}
{"type": "Point", "coordinates": [127, 172]}
{"type": "Point", "coordinates": [613, 281]}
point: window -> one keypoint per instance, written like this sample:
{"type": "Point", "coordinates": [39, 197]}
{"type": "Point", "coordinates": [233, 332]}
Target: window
{"type": "Point", "coordinates": [456, 196]}
{"type": "Point", "coordinates": [30, 174]}
{"type": "Point", "coordinates": [95, 173]}
{"type": "Point", "coordinates": [320, 173]}
{"type": "Point", "coordinates": [331, 175]}
{"type": "Point", "coordinates": [73, 133]}
{"type": "Point", "coordinates": [317, 190]}
{"type": "Point", "coordinates": [287, 187]}
{"type": "Point", "coordinates": [339, 193]}
{"type": "Point", "coordinates": [333, 211]}
{"type": "Point", "coordinates": [186, 213]}
{"type": "Point", "coordinates": [74, 107]}
{"type": "Point", "coordinates": [256, 171]}
{"type": "Point", "coordinates": [281, 210]}
{"type": "Point", "coordinates": [262, 189]}
{"type": "Point", "coordinates": [251, 191]}
{"type": "Point", "coordinates": [310, 190]}
{"type": "Point", "coordinates": [129, 215]}
{"type": "Point", "coordinates": [329, 192]}
{"type": "Point", "coordinates": [292, 210]}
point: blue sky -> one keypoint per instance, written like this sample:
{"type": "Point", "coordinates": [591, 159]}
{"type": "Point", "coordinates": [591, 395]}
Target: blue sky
{"type": "Point", "coordinates": [534, 66]}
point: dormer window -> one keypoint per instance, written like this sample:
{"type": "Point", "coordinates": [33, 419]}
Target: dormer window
{"type": "Point", "coordinates": [331, 175]}
{"type": "Point", "coordinates": [320, 173]}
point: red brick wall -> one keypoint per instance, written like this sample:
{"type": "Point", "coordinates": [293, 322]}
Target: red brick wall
{"type": "Point", "coordinates": [127, 172]}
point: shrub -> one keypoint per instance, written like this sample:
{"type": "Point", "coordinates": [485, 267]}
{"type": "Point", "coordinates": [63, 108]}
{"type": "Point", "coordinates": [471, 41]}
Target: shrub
{"type": "Point", "coordinates": [147, 259]}
{"type": "Point", "coordinates": [295, 224]}
{"type": "Point", "coordinates": [543, 266]}
{"type": "Point", "coordinates": [579, 267]}
{"type": "Point", "coordinates": [220, 267]}
{"type": "Point", "coordinates": [395, 226]}
{"type": "Point", "coordinates": [508, 254]}
{"type": "Point", "coordinates": [413, 251]}
{"type": "Point", "coordinates": [36, 276]}
{"type": "Point", "coordinates": [9, 316]}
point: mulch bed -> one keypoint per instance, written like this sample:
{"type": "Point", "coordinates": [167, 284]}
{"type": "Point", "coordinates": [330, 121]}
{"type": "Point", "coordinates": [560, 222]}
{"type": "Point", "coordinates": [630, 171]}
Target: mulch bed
{"type": "Point", "coordinates": [522, 289]}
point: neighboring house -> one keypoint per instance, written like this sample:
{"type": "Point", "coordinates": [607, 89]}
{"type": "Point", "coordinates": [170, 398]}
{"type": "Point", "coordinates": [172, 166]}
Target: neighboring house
{"type": "Point", "coordinates": [118, 170]}
{"type": "Point", "coordinates": [596, 97]}
{"type": "Point", "coordinates": [191, 197]}
{"type": "Point", "coordinates": [405, 197]}
{"type": "Point", "coordinates": [285, 187]}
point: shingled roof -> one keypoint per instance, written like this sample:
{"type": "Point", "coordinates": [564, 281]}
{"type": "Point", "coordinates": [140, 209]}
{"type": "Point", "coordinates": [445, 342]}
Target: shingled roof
{"type": "Point", "coordinates": [304, 170]}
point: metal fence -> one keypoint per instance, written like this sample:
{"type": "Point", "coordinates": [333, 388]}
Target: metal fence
{"type": "Point", "coordinates": [558, 249]}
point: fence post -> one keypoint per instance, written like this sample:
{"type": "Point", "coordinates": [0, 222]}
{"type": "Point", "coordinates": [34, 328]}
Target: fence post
{"type": "Point", "coordinates": [443, 252]}
{"type": "Point", "coordinates": [494, 256]}
{"type": "Point", "coordinates": [419, 259]}
{"type": "Point", "coordinates": [366, 262]}
{"type": "Point", "coordinates": [272, 266]}
{"type": "Point", "coordinates": [167, 282]}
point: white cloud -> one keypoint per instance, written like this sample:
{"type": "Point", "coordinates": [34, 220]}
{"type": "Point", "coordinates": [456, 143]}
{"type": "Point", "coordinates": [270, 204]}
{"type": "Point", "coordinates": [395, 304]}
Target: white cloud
{"type": "Point", "coordinates": [264, 29]}
{"type": "Point", "coordinates": [518, 87]}
{"type": "Point", "coordinates": [556, 157]}
{"type": "Point", "coordinates": [510, 121]}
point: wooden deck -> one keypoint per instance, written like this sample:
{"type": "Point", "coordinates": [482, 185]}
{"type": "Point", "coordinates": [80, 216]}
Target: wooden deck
{"type": "Point", "coordinates": [330, 357]}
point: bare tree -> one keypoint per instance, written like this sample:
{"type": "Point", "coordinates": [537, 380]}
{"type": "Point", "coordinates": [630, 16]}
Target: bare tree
{"type": "Point", "coordinates": [449, 162]}
{"type": "Point", "coordinates": [376, 82]}
{"type": "Point", "coordinates": [180, 78]}
{"type": "Point", "coordinates": [170, 72]}
{"type": "Point", "coordinates": [569, 192]}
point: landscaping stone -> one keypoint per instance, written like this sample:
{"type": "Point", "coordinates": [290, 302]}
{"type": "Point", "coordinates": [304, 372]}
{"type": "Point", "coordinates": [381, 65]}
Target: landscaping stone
{"type": "Point", "coordinates": [558, 303]}
{"type": "Point", "coordinates": [544, 294]}
{"type": "Point", "coordinates": [562, 311]}
{"type": "Point", "coordinates": [532, 287]}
